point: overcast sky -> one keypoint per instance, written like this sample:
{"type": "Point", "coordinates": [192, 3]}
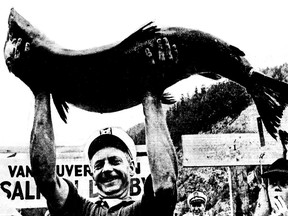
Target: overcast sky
{"type": "Point", "coordinates": [259, 28]}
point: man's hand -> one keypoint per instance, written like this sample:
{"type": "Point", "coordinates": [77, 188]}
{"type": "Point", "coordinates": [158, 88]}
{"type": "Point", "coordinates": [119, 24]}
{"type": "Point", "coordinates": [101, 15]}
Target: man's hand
{"type": "Point", "coordinates": [279, 207]}
{"type": "Point", "coordinates": [19, 60]}
{"type": "Point", "coordinates": [16, 51]}
{"type": "Point", "coordinates": [161, 60]}
{"type": "Point", "coordinates": [165, 53]}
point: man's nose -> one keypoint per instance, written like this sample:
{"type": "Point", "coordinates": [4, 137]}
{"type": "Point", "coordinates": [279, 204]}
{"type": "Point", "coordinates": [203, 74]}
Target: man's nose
{"type": "Point", "coordinates": [107, 166]}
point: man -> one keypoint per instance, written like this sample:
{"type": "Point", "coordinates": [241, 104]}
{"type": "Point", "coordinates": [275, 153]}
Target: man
{"type": "Point", "coordinates": [274, 200]}
{"type": "Point", "coordinates": [112, 161]}
{"type": "Point", "coordinates": [197, 203]}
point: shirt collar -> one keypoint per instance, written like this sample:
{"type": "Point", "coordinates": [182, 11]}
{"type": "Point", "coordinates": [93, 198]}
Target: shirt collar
{"type": "Point", "coordinates": [112, 202]}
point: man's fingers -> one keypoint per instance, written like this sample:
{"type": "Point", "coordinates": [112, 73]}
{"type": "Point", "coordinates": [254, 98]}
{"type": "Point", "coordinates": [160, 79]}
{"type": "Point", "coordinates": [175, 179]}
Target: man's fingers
{"type": "Point", "coordinates": [175, 53]}
{"type": "Point", "coordinates": [164, 52]}
{"type": "Point", "coordinates": [274, 205]}
{"type": "Point", "coordinates": [167, 48]}
{"type": "Point", "coordinates": [282, 203]}
{"type": "Point", "coordinates": [14, 40]}
{"type": "Point", "coordinates": [17, 48]}
{"type": "Point", "coordinates": [161, 54]}
{"type": "Point", "coordinates": [278, 205]}
{"type": "Point", "coordinates": [149, 55]}
{"type": "Point", "coordinates": [27, 47]}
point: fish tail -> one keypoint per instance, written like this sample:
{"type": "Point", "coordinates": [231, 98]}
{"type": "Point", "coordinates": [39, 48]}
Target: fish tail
{"type": "Point", "coordinates": [61, 107]}
{"type": "Point", "coordinates": [271, 99]}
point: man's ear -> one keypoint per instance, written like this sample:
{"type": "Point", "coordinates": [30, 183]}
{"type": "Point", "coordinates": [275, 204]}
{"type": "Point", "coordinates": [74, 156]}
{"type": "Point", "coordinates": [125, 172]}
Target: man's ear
{"type": "Point", "coordinates": [91, 170]}
{"type": "Point", "coordinates": [132, 168]}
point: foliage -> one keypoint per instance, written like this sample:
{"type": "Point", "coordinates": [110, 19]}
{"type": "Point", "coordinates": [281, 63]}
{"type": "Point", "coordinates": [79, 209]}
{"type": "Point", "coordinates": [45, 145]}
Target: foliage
{"type": "Point", "coordinates": [213, 181]}
{"type": "Point", "coordinates": [205, 108]}
{"type": "Point", "coordinates": [280, 73]}
{"type": "Point", "coordinates": [221, 103]}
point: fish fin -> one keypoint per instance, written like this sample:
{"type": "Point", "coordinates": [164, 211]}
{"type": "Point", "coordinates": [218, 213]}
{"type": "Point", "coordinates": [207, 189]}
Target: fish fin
{"type": "Point", "coordinates": [271, 99]}
{"type": "Point", "coordinates": [210, 75]}
{"type": "Point", "coordinates": [236, 50]}
{"type": "Point", "coordinates": [167, 98]}
{"type": "Point", "coordinates": [284, 141]}
{"type": "Point", "coordinates": [147, 31]}
{"type": "Point", "coordinates": [283, 136]}
{"type": "Point", "coordinates": [61, 107]}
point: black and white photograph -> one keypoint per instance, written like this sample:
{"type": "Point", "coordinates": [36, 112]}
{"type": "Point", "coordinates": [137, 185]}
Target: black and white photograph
{"type": "Point", "coordinates": [144, 108]}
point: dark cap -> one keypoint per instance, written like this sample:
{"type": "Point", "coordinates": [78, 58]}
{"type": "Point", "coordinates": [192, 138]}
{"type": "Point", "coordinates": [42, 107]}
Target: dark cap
{"type": "Point", "coordinates": [279, 167]}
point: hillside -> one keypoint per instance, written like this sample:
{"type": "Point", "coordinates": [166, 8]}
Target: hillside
{"type": "Point", "coordinates": [214, 180]}
{"type": "Point", "coordinates": [220, 109]}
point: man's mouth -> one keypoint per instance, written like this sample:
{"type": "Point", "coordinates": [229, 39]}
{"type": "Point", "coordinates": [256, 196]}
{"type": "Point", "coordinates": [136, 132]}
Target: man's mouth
{"type": "Point", "coordinates": [109, 179]}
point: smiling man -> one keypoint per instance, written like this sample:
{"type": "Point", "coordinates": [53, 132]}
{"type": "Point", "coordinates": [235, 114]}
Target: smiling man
{"type": "Point", "coordinates": [111, 155]}
{"type": "Point", "coordinates": [277, 188]}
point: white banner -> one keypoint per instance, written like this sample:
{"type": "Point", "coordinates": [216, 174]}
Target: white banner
{"type": "Point", "coordinates": [18, 185]}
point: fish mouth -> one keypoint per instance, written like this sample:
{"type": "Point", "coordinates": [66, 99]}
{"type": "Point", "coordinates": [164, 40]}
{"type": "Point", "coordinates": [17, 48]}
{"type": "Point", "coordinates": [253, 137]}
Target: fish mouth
{"type": "Point", "coordinates": [9, 63]}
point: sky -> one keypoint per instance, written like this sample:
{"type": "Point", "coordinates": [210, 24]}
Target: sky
{"type": "Point", "coordinates": [258, 27]}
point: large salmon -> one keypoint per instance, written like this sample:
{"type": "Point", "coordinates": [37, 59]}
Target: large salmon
{"type": "Point", "coordinates": [110, 78]}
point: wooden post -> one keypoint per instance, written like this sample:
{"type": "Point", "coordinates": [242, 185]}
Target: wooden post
{"type": "Point", "coordinates": [260, 129]}
{"type": "Point", "coordinates": [230, 188]}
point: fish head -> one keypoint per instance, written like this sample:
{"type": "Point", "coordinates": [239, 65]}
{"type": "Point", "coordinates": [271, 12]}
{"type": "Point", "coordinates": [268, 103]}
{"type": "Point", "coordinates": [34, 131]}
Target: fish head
{"type": "Point", "coordinates": [9, 51]}
{"type": "Point", "coordinates": [16, 42]}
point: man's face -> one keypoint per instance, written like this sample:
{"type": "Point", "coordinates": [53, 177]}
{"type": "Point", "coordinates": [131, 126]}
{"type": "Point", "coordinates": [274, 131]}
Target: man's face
{"type": "Point", "coordinates": [197, 208]}
{"type": "Point", "coordinates": [111, 172]}
{"type": "Point", "coordinates": [278, 187]}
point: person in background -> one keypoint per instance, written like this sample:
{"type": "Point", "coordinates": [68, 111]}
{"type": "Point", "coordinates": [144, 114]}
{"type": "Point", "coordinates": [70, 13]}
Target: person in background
{"type": "Point", "coordinates": [273, 197]}
{"type": "Point", "coordinates": [197, 204]}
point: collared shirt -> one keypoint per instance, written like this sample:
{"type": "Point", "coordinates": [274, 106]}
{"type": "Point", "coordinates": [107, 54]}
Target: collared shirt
{"type": "Point", "coordinates": [149, 205]}
{"type": "Point", "coordinates": [113, 202]}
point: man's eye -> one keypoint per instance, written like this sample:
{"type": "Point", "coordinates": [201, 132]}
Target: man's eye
{"type": "Point", "coordinates": [98, 165]}
{"type": "Point", "coordinates": [284, 183]}
{"type": "Point", "coordinates": [115, 161]}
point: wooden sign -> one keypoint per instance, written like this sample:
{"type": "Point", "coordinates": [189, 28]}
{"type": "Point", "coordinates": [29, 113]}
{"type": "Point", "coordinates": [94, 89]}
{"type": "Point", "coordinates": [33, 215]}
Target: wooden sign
{"type": "Point", "coordinates": [229, 149]}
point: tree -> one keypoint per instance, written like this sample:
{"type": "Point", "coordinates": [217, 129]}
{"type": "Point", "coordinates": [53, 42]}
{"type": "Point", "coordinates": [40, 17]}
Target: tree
{"type": "Point", "coordinates": [199, 112]}
{"type": "Point", "coordinates": [280, 73]}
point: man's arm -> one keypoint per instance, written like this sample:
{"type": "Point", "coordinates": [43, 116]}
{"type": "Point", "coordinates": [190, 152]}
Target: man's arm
{"type": "Point", "coordinates": [42, 148]}
{"type": "Point", "coordinates": [43, 155]}
{"type": "Point", "coordinates": [161, 152]}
